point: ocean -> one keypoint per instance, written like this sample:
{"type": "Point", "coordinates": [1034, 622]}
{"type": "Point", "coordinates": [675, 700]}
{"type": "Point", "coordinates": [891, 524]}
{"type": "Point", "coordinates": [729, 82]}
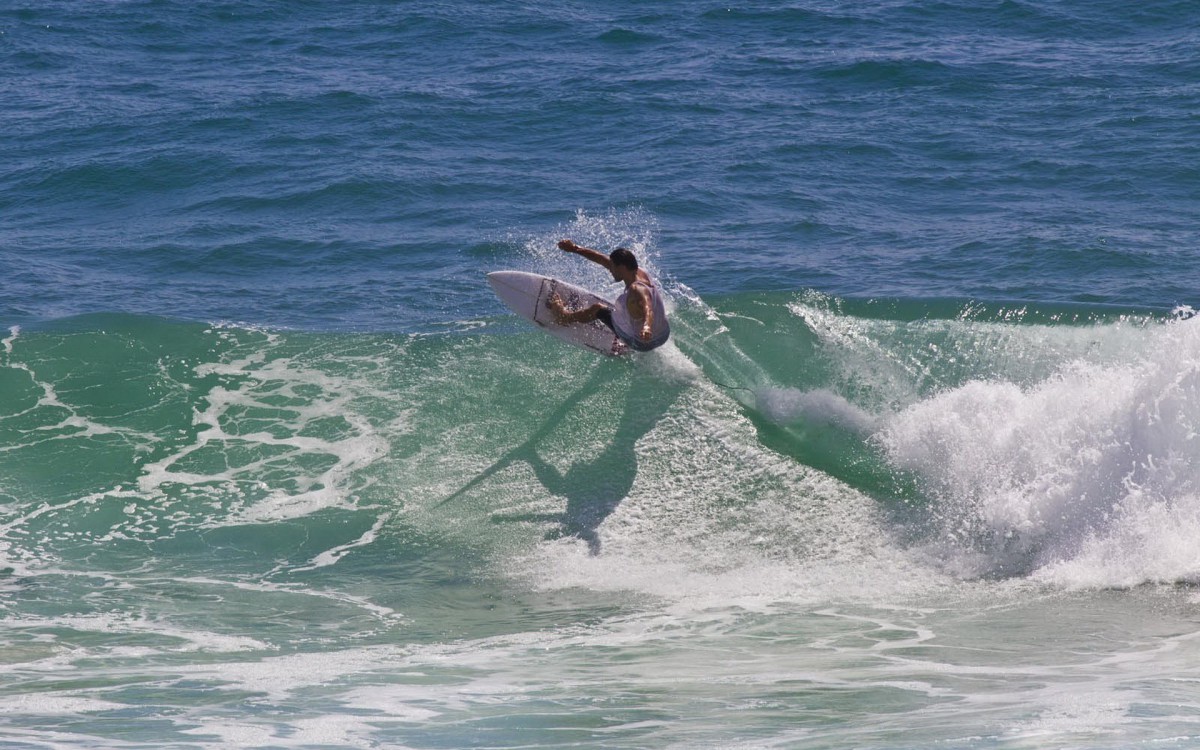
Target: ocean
{"type": "Point", "coordinates": [919, 467]}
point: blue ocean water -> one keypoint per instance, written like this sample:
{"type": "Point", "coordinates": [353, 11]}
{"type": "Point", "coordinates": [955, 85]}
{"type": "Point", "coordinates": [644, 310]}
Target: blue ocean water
{"type": "Point", "coordinates": [918, 468]}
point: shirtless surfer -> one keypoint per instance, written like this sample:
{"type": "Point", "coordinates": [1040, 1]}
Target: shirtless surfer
{"type": "Point", "coordinates": [638, 317]}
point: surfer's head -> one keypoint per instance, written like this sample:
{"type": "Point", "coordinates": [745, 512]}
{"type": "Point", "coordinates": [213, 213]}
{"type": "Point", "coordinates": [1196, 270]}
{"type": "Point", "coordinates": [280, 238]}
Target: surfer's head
{"type": "Point", "coordinates": [624, 258]}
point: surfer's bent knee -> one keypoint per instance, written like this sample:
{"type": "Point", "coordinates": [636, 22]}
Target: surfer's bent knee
{"type": "Point", "coordinates": [604, 315]}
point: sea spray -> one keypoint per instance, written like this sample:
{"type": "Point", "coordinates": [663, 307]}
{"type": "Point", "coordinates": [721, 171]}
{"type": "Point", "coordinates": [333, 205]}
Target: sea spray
{"type": "Point", "coordinates": [632, 228]}
{"type": "Point", "coordinates": [820, 406]}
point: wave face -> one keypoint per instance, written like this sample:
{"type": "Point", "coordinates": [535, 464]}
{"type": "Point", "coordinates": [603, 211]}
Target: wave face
{"type": "Point", "coordinates": [228, 516]}
{"type": "Point", "coordinates": [1056, 445]}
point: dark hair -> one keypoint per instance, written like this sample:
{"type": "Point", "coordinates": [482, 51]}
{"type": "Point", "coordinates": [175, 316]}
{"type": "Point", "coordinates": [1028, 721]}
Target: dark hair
{"type": "Point", "coordinates": [623, 257]}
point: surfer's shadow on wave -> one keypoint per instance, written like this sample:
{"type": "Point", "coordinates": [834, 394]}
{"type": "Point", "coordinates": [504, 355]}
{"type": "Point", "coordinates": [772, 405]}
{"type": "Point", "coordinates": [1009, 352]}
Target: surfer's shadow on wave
{"type": "Point", "coordinates": [595, 484]}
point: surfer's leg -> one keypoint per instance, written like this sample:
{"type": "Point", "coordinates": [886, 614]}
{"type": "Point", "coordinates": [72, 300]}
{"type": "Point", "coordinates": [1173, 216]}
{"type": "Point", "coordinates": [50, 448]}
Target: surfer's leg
{"type": "Point", "coordinates": [604, 315]}
{"type": "Point", "coordinates": [565, 317]}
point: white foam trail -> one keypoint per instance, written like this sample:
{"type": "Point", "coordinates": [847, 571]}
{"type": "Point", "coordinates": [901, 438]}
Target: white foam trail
{"type": "Point", "coordinates": [331, 556]}
{"type": "Point", "coordinates": [7, 343]}
{"type": "Point", "coordinates": [263, 585]}
{"type": "Point", "coordinates": [189, 639]}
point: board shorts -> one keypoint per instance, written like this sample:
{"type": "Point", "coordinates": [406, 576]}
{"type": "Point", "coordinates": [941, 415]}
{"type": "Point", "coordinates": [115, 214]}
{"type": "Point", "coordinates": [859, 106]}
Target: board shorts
{"type": "Point", "coordinates": [605, 316]}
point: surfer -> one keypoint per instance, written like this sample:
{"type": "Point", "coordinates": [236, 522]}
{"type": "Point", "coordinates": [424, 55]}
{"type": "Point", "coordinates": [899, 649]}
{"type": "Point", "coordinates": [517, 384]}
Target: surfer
{"type": "Point", "coordinates": [638, 317]}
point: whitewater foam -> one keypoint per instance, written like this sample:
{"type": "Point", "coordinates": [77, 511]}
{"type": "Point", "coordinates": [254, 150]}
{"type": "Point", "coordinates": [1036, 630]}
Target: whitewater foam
{"type": "Point", "coordinates": [1087, 477]}
{"type": "Point", "coordinates": [272, 410]}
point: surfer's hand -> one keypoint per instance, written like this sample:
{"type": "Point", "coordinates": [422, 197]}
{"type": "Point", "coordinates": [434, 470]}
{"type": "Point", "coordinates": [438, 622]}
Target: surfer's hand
{"type": "Point", "coordinates": [567, 245]}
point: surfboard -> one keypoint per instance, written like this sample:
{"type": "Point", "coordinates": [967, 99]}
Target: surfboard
{"type": "Point", "coordinates": [526, 294]}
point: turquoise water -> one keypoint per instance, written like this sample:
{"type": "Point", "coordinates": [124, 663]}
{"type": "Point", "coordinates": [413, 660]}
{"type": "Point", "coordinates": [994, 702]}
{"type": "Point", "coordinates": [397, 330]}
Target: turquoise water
{"type": "Point", "coordinates": [917, 469]}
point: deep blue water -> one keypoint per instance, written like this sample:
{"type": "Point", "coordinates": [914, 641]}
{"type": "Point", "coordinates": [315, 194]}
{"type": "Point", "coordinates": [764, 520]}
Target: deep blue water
{"type": "Point", "coordinates": [919, 467]}
{"type": "Point", "coordinates": [356, 164]}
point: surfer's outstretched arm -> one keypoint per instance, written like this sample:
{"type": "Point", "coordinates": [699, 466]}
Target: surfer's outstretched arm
{"type": "Point", "coordinates": [594, 256]}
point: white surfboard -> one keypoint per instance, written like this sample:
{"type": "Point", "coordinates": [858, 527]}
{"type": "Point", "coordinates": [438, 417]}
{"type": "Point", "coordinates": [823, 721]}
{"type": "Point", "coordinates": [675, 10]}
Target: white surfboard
{"type": "Point", "coordinates": [526, 294]}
